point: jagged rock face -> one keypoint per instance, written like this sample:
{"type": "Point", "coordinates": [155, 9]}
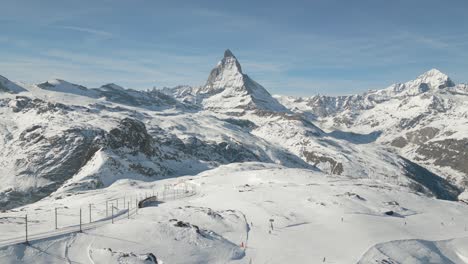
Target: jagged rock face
{"type": "Point", "coordinates": [228, 71]}
{"type": "Point", "coordinates": [131, 134]}
{"type": "Point", "coordinates": [25, 104]}
{"type": "Point", "coordinates": [223, 152]}
{"type": "Point", "coordinates": [212, 152]}
{"type": "Point", "coordinates": [335, 167]}
{"type": "Point", "coordinates": [229, 90]}
{"type": "Point", "coordinates": [448, 152]}
{"type": "Point", "coordinates": [46, 162]}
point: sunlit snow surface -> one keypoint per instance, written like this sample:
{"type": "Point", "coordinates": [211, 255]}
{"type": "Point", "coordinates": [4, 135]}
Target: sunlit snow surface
{"type": "Point", "coordinates": [316, 217]}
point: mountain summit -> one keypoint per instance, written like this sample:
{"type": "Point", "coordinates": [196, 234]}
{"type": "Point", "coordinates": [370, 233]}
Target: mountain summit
{"type": "Point", "coordinates": [228, 89]}
{"type": "Point", "coordinates": [435, 79]}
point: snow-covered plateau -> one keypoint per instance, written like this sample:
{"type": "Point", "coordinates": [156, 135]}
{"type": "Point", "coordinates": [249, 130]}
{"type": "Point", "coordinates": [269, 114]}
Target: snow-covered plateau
{"type": "Point", "coordinates": [233, 174]}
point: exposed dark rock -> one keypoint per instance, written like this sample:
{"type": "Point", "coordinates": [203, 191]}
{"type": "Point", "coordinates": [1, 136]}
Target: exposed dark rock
{"type": "Point", "coordinates": [243, 123]}
{"type": "Point", "coordinates": [407, 123]}
{"type": "Point", "coordinates": [72, 149]}
{"type": "Point", "coordinates": [422, 135]}
{"type": "Point", "coordinates": [24, 104]}
{"type": "Point", "coordinates": [425, 179]}
{"type": "Point", "coordinates": [399, 142]}
{"type": "Point", "coordinates": [132, 134]}
{"type": "Point", "coordinates": [336, 167]}
{"type": "Point", "coordinates": [449, 152]}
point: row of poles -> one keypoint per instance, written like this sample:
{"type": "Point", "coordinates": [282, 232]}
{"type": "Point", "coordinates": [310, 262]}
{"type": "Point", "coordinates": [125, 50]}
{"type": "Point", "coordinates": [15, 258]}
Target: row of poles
{"type": "Point", "coordinates": [164, 194]}
{"type": "Point", "coordinates": [90, 216]}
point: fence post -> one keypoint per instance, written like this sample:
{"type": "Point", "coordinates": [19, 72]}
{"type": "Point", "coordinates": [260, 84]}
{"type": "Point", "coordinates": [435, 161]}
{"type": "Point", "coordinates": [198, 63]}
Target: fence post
{"type": "Point", "coordinates": [90, 213]}
{"type": "Point", "coordinates": [55, 217]}
{"type": "Point", "coordinates": [117, 206]}
{"type": "Point", "coordinates": [26, 225]}
{"type": "Point", "coordinates": [80, 221]}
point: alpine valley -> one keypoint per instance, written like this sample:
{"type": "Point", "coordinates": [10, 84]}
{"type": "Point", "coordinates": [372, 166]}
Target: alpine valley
{"type": "Point", "coordinates": [378, 177]}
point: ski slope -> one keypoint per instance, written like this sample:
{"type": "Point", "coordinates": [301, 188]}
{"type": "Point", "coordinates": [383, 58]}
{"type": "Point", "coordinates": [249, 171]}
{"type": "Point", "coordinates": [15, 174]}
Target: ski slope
{"type": "Point", "coordinates": [316, 217]}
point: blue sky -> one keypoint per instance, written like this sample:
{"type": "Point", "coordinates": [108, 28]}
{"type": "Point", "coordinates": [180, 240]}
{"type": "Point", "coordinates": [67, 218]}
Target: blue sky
{"type": "Point", "coordinates": [290, 47]}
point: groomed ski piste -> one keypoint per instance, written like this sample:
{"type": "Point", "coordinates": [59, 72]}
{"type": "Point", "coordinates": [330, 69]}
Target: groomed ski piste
{"type": "Point", "coordinates": [245, 213]}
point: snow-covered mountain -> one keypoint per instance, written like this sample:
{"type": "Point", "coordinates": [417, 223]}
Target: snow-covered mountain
{"type": "Point", "coordinates": [7, 86]}
{"type": "Point", "coordinates": [229, 90]}
{"type": "Point", "coordinates": [424, 120]}
{"type": "Point", "coordinates": [234, 119]}
{"type": "Point", "coordinates": [61, 140]}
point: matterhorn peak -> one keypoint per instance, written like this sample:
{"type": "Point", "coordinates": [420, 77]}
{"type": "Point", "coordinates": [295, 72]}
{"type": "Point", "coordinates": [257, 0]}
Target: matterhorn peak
{"type": "Point", "coordinates": [228, 88]}
{"type": "Point", "coordinates": [227, 71]}
{"type": "Point", "coordinates": [228, 53]}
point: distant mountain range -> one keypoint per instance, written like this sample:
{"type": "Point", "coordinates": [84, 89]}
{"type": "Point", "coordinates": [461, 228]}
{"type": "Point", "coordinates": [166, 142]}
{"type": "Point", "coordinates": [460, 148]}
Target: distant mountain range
{"type": "Point", "coordinates": [59, 137]}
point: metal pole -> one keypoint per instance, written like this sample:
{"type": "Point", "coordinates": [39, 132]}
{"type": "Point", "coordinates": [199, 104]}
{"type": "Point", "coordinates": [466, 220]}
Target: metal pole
{"type": "Point", "coordinates": [107, 209]}
{"type": "Point", "coordinates": [112, 213]}
{"type": "Point", "coordinates": [26, 225]}
{"type": "Point", "coordinates": [128, 210]}
{"type": "Point", "coordinates": [80, 221]}
{"type": "Point", "coordinates": [55, 217]}
{"type": "Point", "coordinates": [90, 213]}
{"type": "Point", "coordinates": [117, 203]}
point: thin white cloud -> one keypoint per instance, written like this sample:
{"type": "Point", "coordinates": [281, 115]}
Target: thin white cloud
{"type": "Point", "coordinates": [92, 31]}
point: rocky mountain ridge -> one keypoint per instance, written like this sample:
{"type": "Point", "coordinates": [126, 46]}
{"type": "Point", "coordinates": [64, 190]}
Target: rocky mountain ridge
{"type": "Point", "coordinates": [61, 138]}
{"type": "Point", "coordinates": [424, 120]}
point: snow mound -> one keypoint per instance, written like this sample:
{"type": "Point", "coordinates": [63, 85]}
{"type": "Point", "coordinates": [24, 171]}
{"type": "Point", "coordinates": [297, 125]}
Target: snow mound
{"type": "Point", "coordinates": [418, 251]}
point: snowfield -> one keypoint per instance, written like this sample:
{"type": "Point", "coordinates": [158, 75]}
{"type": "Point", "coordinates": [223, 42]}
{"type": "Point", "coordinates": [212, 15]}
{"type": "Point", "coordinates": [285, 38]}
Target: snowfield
{"type": "Point", "coordinates": [316, 217]}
